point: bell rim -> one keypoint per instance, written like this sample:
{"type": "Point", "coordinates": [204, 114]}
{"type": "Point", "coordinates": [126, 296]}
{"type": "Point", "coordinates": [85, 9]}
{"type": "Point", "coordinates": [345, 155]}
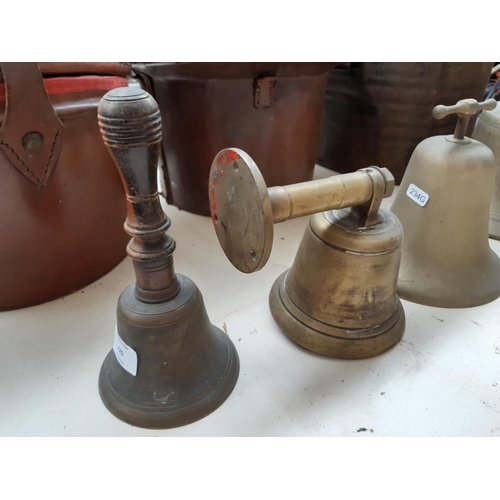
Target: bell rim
{"type": "Point", "coordinates": [330, 346]}
{"type": "Point", "coordinates": [453, 301]}
{"type": "Point", "coordinates": [159, 416]}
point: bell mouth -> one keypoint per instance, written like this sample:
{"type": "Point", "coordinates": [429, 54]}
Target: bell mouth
{"type": "Point", "coordinates": [160, 414]}
{"type": "Point", "coordinates": [332, 340]}
{"type": "Point", "coordinates": [186, 367]}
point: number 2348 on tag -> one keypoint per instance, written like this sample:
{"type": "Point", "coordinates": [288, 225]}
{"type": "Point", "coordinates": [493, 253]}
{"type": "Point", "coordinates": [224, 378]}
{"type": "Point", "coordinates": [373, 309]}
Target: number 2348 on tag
{"type": "Point", "coordinates": [125, 355]}
{"type": "Point", "coordinates": [417, 195]}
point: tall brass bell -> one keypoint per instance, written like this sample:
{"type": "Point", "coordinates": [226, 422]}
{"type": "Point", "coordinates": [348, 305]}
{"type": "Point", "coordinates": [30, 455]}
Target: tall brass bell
{"type": "Point", "coordinates": [443, 203]}
{"type": "Point", "coordinates": [339, 297]}
{"type": "Point", "coordinates": [169, 366]}
{"type": "Point", "coordinates": [487, 131]}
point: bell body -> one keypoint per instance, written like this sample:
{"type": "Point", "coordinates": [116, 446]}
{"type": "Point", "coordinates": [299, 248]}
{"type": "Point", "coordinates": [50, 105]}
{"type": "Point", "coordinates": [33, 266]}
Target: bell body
{"type": "Point", "coordinates": [339, 297]}
{"type": "Point", "coordinates": [446, 259]}
{"type": "Point", "coordinates": [488, 132]}
{"type": "Point", "coordinates": [186, 367]}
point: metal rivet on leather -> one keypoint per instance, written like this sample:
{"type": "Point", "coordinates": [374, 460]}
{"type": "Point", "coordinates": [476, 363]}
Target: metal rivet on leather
{"type": "Point", "coordinates": [32, 141]}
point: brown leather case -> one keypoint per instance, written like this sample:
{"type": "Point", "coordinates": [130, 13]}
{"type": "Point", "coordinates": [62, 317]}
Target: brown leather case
{"type": "Point", "coordinates": [270, 110]}
{"type": "Point", "coordinates": [62, 204]}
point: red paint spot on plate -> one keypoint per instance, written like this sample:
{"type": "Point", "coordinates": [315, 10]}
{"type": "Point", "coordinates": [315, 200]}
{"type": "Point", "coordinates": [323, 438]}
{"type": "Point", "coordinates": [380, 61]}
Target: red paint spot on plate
{"type": "Point", "coordinates": [227, 156]}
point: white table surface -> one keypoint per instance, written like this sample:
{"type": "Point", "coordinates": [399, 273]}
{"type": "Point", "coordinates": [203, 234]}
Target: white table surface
{"type": "Point", "coordinates": [442, 379]}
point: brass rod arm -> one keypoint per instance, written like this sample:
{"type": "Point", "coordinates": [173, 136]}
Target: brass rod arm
{"type": "Point", "coordinates": [307, 198]}
{"type": "Point", "coordinates": [244, 209]}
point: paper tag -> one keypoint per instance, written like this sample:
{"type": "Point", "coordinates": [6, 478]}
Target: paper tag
{"type": "Point", "coordinates": [417, 195]}
{"type": "Point", "coordinates": [125, 355]}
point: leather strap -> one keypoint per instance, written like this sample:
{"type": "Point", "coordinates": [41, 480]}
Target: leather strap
{"type": "Point", "coordinates": [74, 84]}
{"type": "Point", "coordinates": [32, 134]}
{"type": "Point", "coordinates": [82, 68]}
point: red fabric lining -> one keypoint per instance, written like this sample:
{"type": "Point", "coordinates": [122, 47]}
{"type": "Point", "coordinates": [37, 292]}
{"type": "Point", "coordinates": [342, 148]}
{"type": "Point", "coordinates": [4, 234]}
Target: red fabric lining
{"type": "Point", "coordinates": [67, 84]}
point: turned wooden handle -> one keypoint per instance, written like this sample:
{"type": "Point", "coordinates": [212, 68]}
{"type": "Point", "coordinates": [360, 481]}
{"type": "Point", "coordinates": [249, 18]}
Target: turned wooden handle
{"type": "Point", "coordinates": [130, 124]}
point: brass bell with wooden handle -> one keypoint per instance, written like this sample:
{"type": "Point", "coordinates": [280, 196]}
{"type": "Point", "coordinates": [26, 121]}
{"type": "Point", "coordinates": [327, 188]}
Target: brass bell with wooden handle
{"type": "Point", "coordinates": [169, 365]}
{"type": "Point", "coordinates": [443, 203]}
{"type": "Point", "coordinates": [339, 297]}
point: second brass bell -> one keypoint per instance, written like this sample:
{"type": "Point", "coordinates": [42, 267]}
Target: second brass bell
{"type": "Point", "coordinates": [444, 203]}
{"type": "Point", "coordinates": [339, 297]}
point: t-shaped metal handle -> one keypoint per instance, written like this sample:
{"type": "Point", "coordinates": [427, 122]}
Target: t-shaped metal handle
{"type": "Point", "coordinates": [244, 210]}
{"type": "Point", "coordinates": [130, 124]}
{"type": "Point", "coordinates": [464, 109]}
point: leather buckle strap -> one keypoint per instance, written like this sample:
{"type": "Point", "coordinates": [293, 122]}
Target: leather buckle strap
{"type": "Point", "coordinates": [32, 134]}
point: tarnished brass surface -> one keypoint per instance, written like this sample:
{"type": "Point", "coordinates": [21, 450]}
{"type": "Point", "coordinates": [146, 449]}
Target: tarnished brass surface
{"type": "Point", "coordinates": [339, 298]}
{"type": "Point", "coordinates": [186, 366]}
{"type": "Point", "coordinates": [241, 210]}
{"type": "Point", "coordinates": [447, 260]}
{"type": "Point", "coordinates": [241, 201]}
{"type": "Point", "coordinates": [488, 132]}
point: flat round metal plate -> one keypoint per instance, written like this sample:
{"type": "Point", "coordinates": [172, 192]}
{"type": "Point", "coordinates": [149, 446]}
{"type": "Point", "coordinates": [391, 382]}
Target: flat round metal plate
{"type": "Point", "coordinates": [241, 210]}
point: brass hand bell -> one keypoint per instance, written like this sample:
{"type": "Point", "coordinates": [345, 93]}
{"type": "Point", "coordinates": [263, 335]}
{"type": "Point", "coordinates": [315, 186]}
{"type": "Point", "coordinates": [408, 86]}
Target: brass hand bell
{"type": "Point", "coordinates": [169, 366]}
{"type": "Point", "coordinates": [339, 297]}
{"type": "Point", "coordinates": [487, 131]}
{"type": "Point", "coordinates": [443, 203]}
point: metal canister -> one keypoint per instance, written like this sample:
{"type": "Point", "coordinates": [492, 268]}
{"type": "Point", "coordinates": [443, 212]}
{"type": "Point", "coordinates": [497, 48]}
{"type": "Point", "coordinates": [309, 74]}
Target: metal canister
{"type": "Point", "coordinates": [377, 113]}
